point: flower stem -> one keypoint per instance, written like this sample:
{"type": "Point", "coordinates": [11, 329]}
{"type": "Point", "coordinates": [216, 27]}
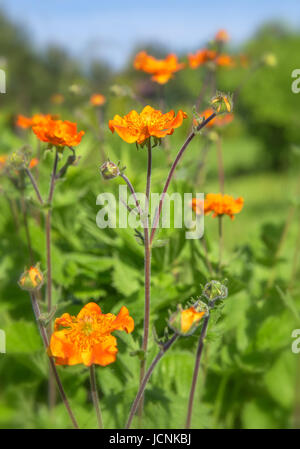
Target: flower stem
{"type": "Point", "coordinates": [172, 170]}
{"type": "Point", "coordinates": [49, 267]}
{"type": "Point", "coordinates": [95, 396]}
{"type": "Point", "coordinates": [131, 188]}
{"type": "Point", "coordinates": [146, 378]}
{"type": "Point", "coordinates": [221, 242]}
{"type": "Point", "coordinates": [48, 234]}
{"type": "Point", "coordinates": [37, 313]}
{"type": "Point", "coordinates": [220, 165]}
{"type": "Point", "coordinates": [147, 269]}
{"type": "Point", "coordinates": [196, 371]}
{"type": "Point", "coordinates": [35, 186]}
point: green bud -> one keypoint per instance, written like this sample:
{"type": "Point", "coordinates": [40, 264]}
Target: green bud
{"type": "Point", "coordinates": [214, 290]}
{"type": "Point", "coordinates": [109, 170]}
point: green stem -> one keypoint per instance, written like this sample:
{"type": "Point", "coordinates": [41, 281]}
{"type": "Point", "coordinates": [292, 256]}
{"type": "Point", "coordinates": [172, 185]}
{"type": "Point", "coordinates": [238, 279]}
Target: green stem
{"type": "Point", "coordinates": [220, 165]}
{"type": "Point", "coordinates": [147, 269]}
{"type": "Point", "coordinates": [146, 378]}
{"type": "Point", "coordinates": [221, 241]}
{"type": "Point", "coordinates": [171, 173]}
{"type": "Point", "coordinates": [95, 396]}
{"type": "Point", "coordinates": [196, 372]}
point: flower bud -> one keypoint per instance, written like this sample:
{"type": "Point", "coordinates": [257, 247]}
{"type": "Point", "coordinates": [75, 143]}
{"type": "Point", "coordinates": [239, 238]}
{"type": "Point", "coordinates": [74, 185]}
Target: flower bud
{"type": "Point", "coordinates": [222, 103]}
{"type": "Point", "coordinates": [185, 321]}
{"type": "Point", "coordinates": [109, 170]}
{"type": "Point", "coordinates": [32, 279]}
{"type": "Point", "coordinates": [214, 290]}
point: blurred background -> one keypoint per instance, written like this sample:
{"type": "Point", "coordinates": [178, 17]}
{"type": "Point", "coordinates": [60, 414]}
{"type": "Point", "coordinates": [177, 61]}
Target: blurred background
{"type": "Point", "coordinates": [56, 55]}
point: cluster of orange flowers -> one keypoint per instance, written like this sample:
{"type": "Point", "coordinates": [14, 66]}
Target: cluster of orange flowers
{"type": "Point", "coordinates": [160, 69]}
{"type": "Point", "coordinates": [135, 127]}
{"type": "Point", "coordinates": [56, 132]}
{"type": "Point", "coordinates": [163, 69]}
{"type": "Point", "coordinates": [219, 204]}
{"type": "Point", "coordinates": [203, 56]}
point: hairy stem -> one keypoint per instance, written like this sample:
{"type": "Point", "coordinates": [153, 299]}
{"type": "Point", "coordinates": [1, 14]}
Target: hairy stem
{"type": "Point", "coordinates": [172, 170]}
{"type": "Point", "coordinates": [35, 186]}
{"type": "Point", "coordinates": [196, 372]}
{"type": "Point", "coordinates": [52, 395]}
{"type": "Point", "coordinates": [146, 378]}
{"type": "Point", "coordinates": [221, 241]}
{"type": "Point", "coordinates": [37, 313]}
{"type": "Point", "coordinates": [147, 269]}
{"type": "Point", "coordinates": [95, 396]}
{"type": "Point", "coordinates": [131, 188]}
{"type": "Point", "coordinates": [220, 165]}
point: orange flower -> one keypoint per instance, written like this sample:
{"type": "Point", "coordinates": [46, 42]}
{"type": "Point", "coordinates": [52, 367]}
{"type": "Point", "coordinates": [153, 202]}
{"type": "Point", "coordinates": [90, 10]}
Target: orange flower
{"type": "Point", "coordinates": [219, 120]}
{"type": "Point", "coordinates": [189, 318]}
{"type": "Point", "coordinates": [222, 36]}
{"type": "Point", "coordinates": [87, 337]}
{"type": "Point", "coordinates": [135, 127]}
{"type": "Point", "coordinates": [58, 132]}
{"type": "Point", "coordinates": [225, 61]}
{"type": "Point", "coordinates": [37, 119]}
{"type": "Point", "coordinates": [201, 57]}
{"type": "Point", "coordinates": [160, 69]}
{"type": "Point", "coordinates": [97, 99]}
{"type": "Point", "coordinates": [34, 161]}
{"type": "Point", "coordinates": [221, 204]}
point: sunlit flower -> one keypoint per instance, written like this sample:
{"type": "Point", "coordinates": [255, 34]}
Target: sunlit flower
{"type": "Point", "coordinates": [58, 132]}
{"type": "Point", "coordinates": [221, 204]}
{"type": "Point", "coordinates": [86, 338]}
{"type": "Point", "coordinates": [31, 279]}
{"type": "Point", "coordinates": [135, 127]}
{"type": "Point", "coordinates": [97, 99]}
{"type": "Point", "coordinates": [219, 120]}
{"type": "Point", "coordinates": [160, 69]}
{"type": "Point", "coordinates": [201, 57]}
{"type": "Point", "coordinates": [57, 99]}
{"type": "Point", "coordinates": [36, 119]}
{"type": "Point", "coordinates": [222, 36]}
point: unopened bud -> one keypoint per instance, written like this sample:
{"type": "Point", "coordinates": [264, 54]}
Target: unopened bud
{"type": "Point", "coordinates": [185, 321]}
{"type": "Point", "coordinates": [222, 103]}
{"type": "Point", "coordinates": [109, 170]}
{"type": "Point", "coordinates": [32, 279]}
{"type": "Point", "coordinates": [214, 290]}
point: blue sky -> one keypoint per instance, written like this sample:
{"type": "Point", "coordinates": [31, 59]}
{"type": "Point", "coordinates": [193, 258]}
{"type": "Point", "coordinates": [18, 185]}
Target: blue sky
{"type": "Point", "coordinates": [110, 29]}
